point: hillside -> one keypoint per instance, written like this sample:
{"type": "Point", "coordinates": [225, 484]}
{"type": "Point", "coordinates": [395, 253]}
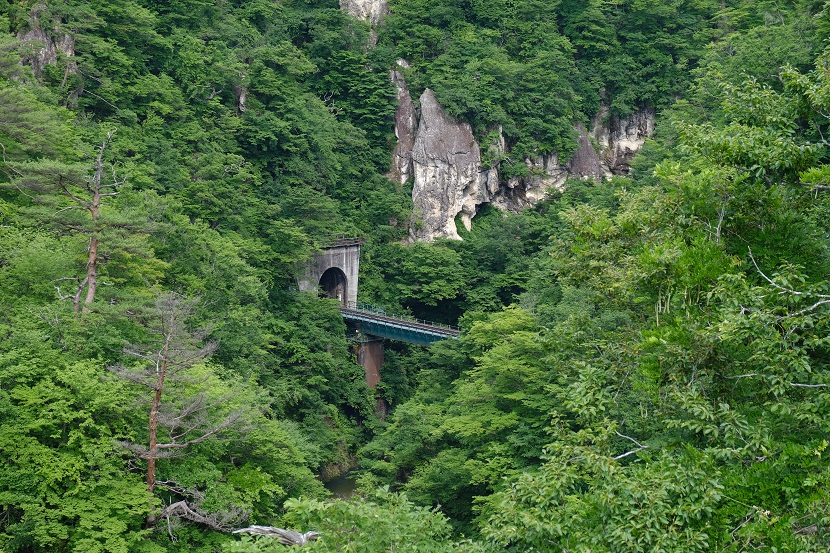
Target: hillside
{"type": "Point", "coordinates": [624, 206]}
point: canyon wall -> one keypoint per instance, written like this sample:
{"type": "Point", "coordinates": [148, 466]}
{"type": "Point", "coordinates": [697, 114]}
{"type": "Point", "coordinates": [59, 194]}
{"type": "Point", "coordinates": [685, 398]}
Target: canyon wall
{"type": "Point", "coordinates": [447, 171]}
{"type": "Point", "coordinates": [49, 43]}
{"type": "Point", "coordinates": [450, 181]}
{"type": "Point", "coordinates": [444, 161]}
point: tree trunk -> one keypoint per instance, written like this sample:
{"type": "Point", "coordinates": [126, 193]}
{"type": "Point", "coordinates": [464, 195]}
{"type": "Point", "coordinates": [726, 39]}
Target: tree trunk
{"type": "Point", "coordinates": [151, 455]}
{"type": "Point", "coordinates": [152, 450]}
{"type": "Point", "coordinates": [91, 273]}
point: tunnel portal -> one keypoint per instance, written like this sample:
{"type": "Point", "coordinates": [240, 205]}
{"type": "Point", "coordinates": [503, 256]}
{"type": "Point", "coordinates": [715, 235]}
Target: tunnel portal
{"type": "Point", "coordinates": [334, 284]}
{"type": "Point", "coordinates": [333, 271]}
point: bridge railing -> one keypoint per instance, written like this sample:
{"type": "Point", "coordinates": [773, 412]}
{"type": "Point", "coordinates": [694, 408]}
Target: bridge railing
{"type": "Point", "coordinates": [335, 240]}
{"type": "Point", "coordinates": [375, 310]}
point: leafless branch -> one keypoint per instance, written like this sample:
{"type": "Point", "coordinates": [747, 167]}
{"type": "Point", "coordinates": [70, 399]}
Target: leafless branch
{"type": "Point", "coordinates": [99, 97]}
{"type": "Point", "coordinates": [285, 537]}
{"type": "Point", "coordinates": [825, 298]}
{"type": "Point", "coordinates": [808, 309]}
{"type": "Point", "coordinates": [142, 452]}
{"type": "Point", "coordinates": [640, 447]}
{"type": "Point", "coordinates": [61, 295]}
{"type": "Point", "coordinates": [193, 493]}
{"type": "Point", "coordinates": [62, 185]}
{"type": "Point", "coordinates": [133, 352]}
{"type": "Point", "coordinates": [627, 453]}
{"type": "Point", "coordinates": [778, 286]}
{"type": "Point", "coordinates": [799, 385]}
{"type": "Point", "coordinates": [139, 377]}
{"type": "Point", "coordinates": [68, 208]}
{"type": "Point", "coordinates": [230, 421]}
{"type": "Point", "coordinates": [815, 186]}
{"type": "Point", "coordinates": [196, 406]}
{"type": "Point", "coordinates": [221, 521]}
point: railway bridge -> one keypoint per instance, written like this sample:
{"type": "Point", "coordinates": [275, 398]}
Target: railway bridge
{"type": "Point", "coordinates": [333, 271]}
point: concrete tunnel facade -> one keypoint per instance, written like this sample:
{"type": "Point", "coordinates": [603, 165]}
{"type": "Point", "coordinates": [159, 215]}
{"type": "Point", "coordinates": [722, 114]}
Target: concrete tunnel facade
{"type": "Point", "coordinates": [333, 271]}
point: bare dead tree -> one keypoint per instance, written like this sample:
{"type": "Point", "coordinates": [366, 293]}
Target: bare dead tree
{"type": "Point", "coordinates": [285, 537]}
{"type": "Point", "coordinates": [175, 422]}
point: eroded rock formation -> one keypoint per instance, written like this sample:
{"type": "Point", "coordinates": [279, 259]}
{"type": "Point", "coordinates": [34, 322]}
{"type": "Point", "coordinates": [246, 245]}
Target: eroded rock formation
{"type": "Point", "coordinates": [406, 126]}
{"type": "Point", "coordinates": [546, 173]}
{"type": "Point", "coordinates": [48, 45]}
{"type": "Point", "coordinates": [584, 163]}
{"type": "Point", "coordinates": [446, 163]}
{"type": "Point", "coordinates": [450, 181]}
{"type": "Point", "coordinates": [620, 138]}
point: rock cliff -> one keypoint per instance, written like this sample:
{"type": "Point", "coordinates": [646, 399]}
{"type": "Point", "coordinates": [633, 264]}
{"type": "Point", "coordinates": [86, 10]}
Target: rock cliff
{"type": "Point", "coordinates": [446, 163]}
{"type": "Point", "coordinates": [50, 44]}
{"type": "Point", "coordinates": [450, 181]}
{"type": "Point", "coordinates": [406, 126]}
{"type": "Point", "coordinates": [371, 11]}
{"type": "Point", "coordinates": [620, 138]}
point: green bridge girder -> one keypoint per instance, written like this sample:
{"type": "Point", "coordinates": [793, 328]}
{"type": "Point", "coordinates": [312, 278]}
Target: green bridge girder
{"type": "Point", "coordinates": [394, 328]}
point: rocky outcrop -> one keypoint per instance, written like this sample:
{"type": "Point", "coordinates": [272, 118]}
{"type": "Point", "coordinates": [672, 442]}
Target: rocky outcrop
{"type": "Point", "coordinates": [48, 45]}
{"type": "Point", "coordinates": [620, 138]}
{"type": "Point", "coordinates": [371, 11]}
{"type": "Point", "coordinates": [450, 180]}
{"type": "Point", "coordinates": [446, 163]}
{"type": "Point", "coordinates": [545, 174]}
{"type": "Point", "coordinates": [406, 127]}
{"type": "Point", "coordinates": [584, 163]}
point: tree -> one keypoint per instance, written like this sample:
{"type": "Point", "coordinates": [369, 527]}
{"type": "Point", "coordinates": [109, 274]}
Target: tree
{"type": "Point", "coordinates": [180, 418]}
{"type": "Point", "coordinates": [79, 201]}
{"type": "Point", "coordinates": [64, 482]}
{"type": "Point", "coordinates": [383, 521]}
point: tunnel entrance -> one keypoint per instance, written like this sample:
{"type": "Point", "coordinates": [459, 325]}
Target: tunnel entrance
{"type": "Point", "coordinates": [333, 283]}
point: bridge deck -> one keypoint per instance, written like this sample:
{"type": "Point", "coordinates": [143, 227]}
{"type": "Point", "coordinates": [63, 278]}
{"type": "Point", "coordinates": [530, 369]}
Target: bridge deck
{"type": "Point", "coordinates": [397, 328]}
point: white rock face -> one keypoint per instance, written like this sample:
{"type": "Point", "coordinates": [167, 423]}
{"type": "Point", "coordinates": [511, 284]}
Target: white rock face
{"type": "Point", "coordinates": [520, 193]}
{"type": "Point", "coordinates": [450, 180]}
{"type": "Point", "coordinates": [446, 163]}
{"type": "Point", "coordinates": [371, 11]}
{"type": "Point", "coordinates": [619, 139]}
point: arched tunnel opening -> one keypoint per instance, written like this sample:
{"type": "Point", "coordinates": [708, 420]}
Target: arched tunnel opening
{"type": "Point", "coordinates": [333, 283]}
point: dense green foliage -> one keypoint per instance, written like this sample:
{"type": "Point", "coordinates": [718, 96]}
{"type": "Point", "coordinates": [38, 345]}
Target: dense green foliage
{"type": "Point", "coordinates": [659, 382]}
{"type": "Point", "coordinates": [494, 63]}
{"type": "Point", "coordinates": [230, 155]}
{"type": "Point", "coordinates": [644, 361]}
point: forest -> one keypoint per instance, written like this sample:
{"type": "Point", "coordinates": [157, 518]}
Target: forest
{"type": "Point", "coordinates": [644, 360]}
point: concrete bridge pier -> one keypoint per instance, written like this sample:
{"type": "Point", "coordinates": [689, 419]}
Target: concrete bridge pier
{"type": "Point", "coordinates": [369, 354]}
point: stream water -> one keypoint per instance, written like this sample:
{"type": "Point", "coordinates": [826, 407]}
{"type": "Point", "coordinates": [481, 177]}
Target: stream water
{"type": "Point", "coordinates": [342, 487]}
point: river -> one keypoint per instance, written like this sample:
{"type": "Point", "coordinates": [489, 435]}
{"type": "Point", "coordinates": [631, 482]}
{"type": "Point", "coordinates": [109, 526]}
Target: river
{"type": "Point", "coordinates": [342, 487]}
